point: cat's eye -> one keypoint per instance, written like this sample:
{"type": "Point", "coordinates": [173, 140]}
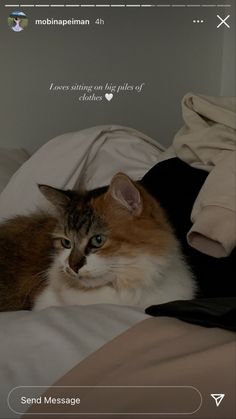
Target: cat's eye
{"type": "Point", "coordinates": [97, 241]}
{"type": "Point", "coordinates": [66, 243]}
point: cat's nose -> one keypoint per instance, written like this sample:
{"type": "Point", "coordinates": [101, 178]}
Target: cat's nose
{"type": "Point", "coordinates": [76, 265]}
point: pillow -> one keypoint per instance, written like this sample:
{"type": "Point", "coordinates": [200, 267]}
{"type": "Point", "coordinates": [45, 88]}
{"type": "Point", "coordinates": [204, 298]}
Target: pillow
{"type": "Point", "coordinates": [76, 160]}
{"type": "Point", "coordinates": [10, 161]}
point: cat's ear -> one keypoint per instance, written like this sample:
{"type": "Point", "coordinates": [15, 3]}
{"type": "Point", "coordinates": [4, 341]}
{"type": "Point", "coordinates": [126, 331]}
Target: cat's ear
{"type": "Point", "coordinates": [60, 199]}
{"type": "Point", "coordinates": [124, 191]}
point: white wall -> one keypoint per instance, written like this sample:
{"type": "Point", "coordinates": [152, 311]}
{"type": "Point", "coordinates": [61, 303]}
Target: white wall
{"type": "Point", "coordinates": [162, 48]}
{"type": "Point", "coordinates": [228, 87]}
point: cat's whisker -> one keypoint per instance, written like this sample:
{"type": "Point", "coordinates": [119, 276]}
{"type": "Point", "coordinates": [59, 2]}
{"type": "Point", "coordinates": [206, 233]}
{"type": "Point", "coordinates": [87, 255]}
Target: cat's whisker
{"type": "Point", "coordinates": [122, 265]}
{"type": "Point", "coordinates": [42, 273]}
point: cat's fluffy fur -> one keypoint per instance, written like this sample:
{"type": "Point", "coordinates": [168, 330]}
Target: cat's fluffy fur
{"type": "Point", "coordinates": [140, 262]}
{"type": "Point", "coordinates": [136, 259]}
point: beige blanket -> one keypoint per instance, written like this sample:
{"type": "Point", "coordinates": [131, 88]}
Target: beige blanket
{"type": "Point", "coordinates": [193, 360]}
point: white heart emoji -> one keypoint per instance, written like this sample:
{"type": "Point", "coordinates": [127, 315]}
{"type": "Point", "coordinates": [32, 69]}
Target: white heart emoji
{"type": "Point", "coordinates": [108, 96]}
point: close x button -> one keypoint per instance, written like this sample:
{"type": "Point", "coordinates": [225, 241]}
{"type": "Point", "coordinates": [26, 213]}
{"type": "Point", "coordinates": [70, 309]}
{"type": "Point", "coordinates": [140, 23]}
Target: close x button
{"type": "Point", "coordinates": [223, 21]}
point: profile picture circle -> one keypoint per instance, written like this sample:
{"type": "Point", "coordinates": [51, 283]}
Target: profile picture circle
{"type": "Point", "coordinates": [17, 21]}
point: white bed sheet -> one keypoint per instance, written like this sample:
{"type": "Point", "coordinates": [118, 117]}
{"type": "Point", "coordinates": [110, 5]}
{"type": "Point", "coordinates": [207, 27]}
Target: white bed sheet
{"type": "Point", "coordinates": [37, 348]}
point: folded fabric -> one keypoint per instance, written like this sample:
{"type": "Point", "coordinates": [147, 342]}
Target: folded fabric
{"type": "Point", "coordinates": [208, 312]}
{"type": "Point", "coordinates": [214, 211]}
{"type": "Point", "coordinates": [208, 135]}
{"type": "Point", "coordinates": [208, 142]}
{"type": "Point", "coordinates": [86, 159]}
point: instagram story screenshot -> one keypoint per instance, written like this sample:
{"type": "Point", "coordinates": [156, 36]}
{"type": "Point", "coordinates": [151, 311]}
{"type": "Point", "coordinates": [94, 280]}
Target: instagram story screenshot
{"type": "Point", "coordinates": [117, 209]}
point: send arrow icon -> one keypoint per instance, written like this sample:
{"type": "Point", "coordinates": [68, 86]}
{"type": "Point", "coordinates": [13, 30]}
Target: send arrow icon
{"type": "Point", "coordinates": [218, 398]}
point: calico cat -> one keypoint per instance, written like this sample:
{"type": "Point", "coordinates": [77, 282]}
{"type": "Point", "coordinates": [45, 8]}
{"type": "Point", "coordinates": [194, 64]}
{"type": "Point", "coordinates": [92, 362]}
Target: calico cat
{"type": "Point", "coordinates": [111, 245]}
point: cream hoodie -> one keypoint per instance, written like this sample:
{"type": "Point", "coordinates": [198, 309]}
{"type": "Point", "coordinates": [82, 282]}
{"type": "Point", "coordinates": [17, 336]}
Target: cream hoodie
{"type": "Point", "coordinates": [208, 141]}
